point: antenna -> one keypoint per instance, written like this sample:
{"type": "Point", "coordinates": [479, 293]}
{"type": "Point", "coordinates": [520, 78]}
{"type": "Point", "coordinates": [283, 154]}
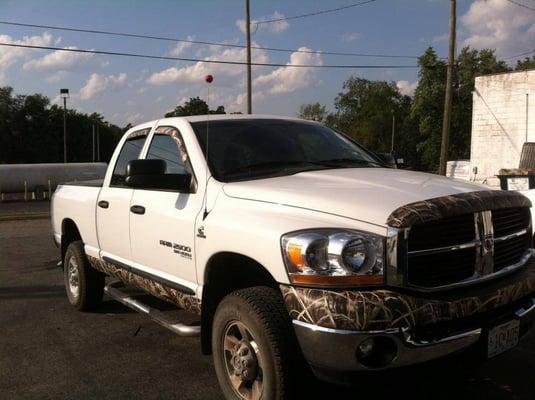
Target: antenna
{"type": "Point", "coordinates": [208, 79]}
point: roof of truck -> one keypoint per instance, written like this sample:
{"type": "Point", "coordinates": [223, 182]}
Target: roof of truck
{"type": "Point", "coordinates": [219, 117]}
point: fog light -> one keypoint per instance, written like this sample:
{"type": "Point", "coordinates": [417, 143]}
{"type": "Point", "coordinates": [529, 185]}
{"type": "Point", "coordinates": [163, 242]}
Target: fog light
{"type": "Point", "coordinates": [366, 348]}
{"type": "Point", "coordinates": [376, 352]}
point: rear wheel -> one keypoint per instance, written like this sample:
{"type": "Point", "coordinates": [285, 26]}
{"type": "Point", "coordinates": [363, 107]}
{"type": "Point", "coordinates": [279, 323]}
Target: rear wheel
{"type": "Point", "coordinates": [254, 345]}
{"type": "Point", "coordinates": [84, 285]}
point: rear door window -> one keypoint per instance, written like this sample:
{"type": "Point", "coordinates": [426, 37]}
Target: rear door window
{"type": "Point", "coordinates": [167, 145]}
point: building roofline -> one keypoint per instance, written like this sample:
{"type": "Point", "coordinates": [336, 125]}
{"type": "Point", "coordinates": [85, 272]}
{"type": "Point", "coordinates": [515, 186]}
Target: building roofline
{"type": "Point", "coordinates": [506, 73]}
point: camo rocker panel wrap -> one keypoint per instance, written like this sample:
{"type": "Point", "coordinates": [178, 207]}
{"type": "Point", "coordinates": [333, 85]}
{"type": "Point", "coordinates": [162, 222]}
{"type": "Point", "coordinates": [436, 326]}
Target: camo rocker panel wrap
{"type": "Point", "coordinates": [184, 301]}
{"type": "Point", "coordinates": [454, 205]}
{"type": "Point", "coordinates": [386, 309]}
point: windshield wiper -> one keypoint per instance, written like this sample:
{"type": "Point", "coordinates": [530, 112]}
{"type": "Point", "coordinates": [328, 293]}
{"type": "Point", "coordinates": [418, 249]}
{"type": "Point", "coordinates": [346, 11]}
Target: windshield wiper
{"type": "Point", "coordinates": [343, 162]}
{"type": "Point", "coordinates": [282, 165]}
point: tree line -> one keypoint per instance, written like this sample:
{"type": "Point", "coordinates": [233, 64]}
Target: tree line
{"type": "Point", "coordinates": [31, 129]}
{"type": "Point", "coordinates": [366, 109]}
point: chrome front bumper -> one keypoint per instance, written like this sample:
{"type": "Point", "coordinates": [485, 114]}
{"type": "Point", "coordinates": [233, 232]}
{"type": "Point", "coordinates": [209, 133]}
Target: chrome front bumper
{"type": "Point", "coordinates": [336, 349]}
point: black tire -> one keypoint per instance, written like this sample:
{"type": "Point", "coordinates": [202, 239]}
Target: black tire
{"type": "Point", "coordinates": [261, 310]}
{"type": "Point", "coordinates": [90, 285]}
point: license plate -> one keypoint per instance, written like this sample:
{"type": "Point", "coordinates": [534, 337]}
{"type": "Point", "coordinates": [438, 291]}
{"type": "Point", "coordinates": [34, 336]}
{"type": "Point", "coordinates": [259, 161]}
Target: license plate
{"type": "Point", "coordinates": [517, 183]}
{"type": "Point", "coordinates": [503, 337]}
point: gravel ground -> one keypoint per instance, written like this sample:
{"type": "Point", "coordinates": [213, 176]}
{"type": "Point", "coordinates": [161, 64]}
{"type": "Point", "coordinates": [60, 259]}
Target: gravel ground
{"type": "Point", "coordinates": [50, 351]}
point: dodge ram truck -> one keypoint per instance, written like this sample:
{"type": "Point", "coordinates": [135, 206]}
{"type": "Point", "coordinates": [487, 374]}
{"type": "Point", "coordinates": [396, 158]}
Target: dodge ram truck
{"type": "Point", "coordinates": [297, 249]}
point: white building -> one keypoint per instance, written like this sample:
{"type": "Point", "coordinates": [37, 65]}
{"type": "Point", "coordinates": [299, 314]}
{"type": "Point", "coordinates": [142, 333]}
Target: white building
{"type": "Point", "coordinates": [503, 120]}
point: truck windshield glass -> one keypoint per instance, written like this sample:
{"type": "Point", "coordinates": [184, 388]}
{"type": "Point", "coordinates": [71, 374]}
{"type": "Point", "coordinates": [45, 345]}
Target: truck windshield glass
{"type": "Point", "coordinates": [252, 149]}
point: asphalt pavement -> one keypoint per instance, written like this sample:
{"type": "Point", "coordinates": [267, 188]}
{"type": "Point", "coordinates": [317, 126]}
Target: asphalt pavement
{"type": "Point", "coordinates": [50, 351]}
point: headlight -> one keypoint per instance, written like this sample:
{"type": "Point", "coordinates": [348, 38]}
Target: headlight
{"type": "Point", "coordinates": [334, 257]}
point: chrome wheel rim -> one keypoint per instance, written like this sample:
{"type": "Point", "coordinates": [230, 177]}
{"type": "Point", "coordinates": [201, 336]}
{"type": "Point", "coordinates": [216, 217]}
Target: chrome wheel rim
{"type": "Point", "coordinates": [73, 278]}
{"type": "Point", "coordinates": [242, 361]}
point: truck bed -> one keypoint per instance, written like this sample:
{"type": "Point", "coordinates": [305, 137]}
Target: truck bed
{"type": "Point", "coordinates": [91, 183]}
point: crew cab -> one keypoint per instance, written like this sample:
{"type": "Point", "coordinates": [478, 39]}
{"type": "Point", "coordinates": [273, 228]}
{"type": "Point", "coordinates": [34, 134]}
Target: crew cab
{"type": "Point", "coordinates": [298, 250]}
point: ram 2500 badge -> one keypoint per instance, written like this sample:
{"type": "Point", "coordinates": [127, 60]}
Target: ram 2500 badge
{"type": "Point", "coordinates": [293, 243]}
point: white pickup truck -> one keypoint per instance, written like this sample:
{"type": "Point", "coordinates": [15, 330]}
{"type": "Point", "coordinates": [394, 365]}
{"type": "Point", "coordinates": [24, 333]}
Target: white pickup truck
{"type": "Point", "coordinates": [292, 242]}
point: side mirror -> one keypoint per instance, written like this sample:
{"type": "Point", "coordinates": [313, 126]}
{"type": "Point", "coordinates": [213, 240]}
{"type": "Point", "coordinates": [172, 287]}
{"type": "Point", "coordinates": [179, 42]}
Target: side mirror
{"type": "Point", "coordinates": [387, 159]}
{"type": "Point", "coordinates": [150, 174]}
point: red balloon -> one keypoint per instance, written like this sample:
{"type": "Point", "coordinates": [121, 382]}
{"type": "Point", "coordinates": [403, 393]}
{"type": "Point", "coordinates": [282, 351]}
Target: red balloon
{"type": "Point", "coordinates": [209, 78]}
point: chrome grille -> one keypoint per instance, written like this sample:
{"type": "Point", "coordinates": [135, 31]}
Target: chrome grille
{"type": "Point", "coordinates": [509, 220]}
{"type": "Point", "coordinates": [509, 251]}
{"type": "Point", "coordinates": [466, 248]}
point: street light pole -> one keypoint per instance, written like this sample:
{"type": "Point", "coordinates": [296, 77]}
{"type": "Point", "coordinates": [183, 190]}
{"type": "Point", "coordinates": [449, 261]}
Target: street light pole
{"type": "Point", "coordinates": [64, 94]}
{"type": "Point", "coordinates": [248, 34]}
{"type": "Point", "coordinates": [393, 133]}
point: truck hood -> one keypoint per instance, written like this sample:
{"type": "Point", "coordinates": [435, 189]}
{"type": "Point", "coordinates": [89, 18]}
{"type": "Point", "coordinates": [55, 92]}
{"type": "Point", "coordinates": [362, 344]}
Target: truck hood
{"type": "Point", "coordinates": [365, 194]}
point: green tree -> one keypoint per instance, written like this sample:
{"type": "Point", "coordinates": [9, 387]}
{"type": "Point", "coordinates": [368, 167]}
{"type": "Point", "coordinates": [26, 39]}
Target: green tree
{"type": "Point", "coordinates": [427, 107]}
{"type": "Point", "coordinates": [31, 131]}
{"type": "Point", "coordinates": [313, 112]}
{"type": "Point", "coordinates": [526, 63]}
{"type": "Point", "coordinates": [194, 106]}
{"type": "Point", "coordinates": [364, 111]}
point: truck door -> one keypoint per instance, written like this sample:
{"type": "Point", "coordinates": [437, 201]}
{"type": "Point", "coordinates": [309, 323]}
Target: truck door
{"type": "Point", "coordinates": [162, 238]}
{"type": "Point", "coordinates": [114, 201]}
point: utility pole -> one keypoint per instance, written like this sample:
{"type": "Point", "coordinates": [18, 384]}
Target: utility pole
{"type": "Point", "coordinates": [393, 133]}
{"type": "Point", "coordinates": [64, 94]}
{"type": "Point", "coordinates": [448, 97]}
{"type": "Point", "coordinates": [248, 33]}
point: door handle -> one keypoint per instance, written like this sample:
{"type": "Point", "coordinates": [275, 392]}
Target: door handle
{"type": "Point", "coordinates": [103, 204]}
{"type": "Point", "coordinates": [138, 209]}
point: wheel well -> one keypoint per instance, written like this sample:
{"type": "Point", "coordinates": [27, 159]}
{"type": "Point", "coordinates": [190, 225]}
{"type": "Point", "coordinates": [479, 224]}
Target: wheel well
{"type": "Point", "coordinates": [69, 234]}
{"type": "Point", "coordinates": [226, 273]}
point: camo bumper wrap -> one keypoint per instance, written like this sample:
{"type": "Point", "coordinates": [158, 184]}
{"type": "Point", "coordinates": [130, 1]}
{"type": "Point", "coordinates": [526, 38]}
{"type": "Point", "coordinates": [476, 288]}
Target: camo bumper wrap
{"type": "Point", "coordinates": [184, 301]}
{"type": "Point", "coordinates": [454, 205]}
{"type": "Point", "coordinates": [387, 309]}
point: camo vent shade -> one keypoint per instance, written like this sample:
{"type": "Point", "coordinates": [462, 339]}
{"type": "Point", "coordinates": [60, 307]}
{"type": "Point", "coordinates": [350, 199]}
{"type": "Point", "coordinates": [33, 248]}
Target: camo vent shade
{"type": "Point", "coordinates": [454, 205]}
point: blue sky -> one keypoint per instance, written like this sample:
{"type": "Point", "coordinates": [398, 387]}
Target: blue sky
{"type": "Point", "coordinates": [133, 90]}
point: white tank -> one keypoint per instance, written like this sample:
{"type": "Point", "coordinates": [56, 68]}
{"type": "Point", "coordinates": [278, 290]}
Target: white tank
{"type": "Point", "coordinates": [39, 177]}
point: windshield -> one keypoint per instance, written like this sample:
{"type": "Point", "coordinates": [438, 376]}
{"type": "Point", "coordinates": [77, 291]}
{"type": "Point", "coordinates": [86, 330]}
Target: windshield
{"type": "Point", "coordinates": [246, 149]}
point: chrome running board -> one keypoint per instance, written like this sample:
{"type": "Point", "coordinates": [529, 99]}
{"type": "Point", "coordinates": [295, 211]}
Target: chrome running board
{"type": "Point", "coordinates": [113, 290]}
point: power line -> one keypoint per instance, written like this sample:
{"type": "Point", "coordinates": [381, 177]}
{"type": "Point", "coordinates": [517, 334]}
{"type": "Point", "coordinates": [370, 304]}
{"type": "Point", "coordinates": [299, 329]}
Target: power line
{"type": "Point", "coordinates": [140, 55]}
{"type": "Point", "coordinates": [200, 42]}
{"type": "Point", "coordinates": [312, 14]}
{"type": "Point", "coordinates": [521, 5]}
{"type": "Point", "coordinates": [527, 53]}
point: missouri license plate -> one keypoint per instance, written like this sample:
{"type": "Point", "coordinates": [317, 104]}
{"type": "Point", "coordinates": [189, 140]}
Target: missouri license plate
{"type": "Point", "coordinates": [503, 337]}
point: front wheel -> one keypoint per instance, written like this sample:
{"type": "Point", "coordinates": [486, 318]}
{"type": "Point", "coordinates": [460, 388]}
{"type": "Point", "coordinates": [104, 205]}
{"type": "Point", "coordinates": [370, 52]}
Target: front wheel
{"type": "Point", "coordinates": [84, 285]}
{"type": "Point", "coordinates": [254, 345]}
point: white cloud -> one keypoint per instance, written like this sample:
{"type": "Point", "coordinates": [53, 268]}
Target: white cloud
{"type": "Point", "coordinates": [440, 38]}
{"type": "Point", "coordinates": [351, 36]}
{"type": "Point", "coordinates": [500, 25]}
{"type": "Point", "coordinates": [275, 27]}
{"type": "Point", "coordinates": [196, 72]}
{"type": "Point", "coordinates": [10, 55]}
{"type": "Point", "coordinates": [56, 77]}
{"type": "Point", "coordinates": [58, 60]}
{"type": "Point", "coordinates": [407, 88]}
{"type": "Point", "coordinates": [180, 47]}
{"type": "Point", "coordinates": [134, 118]}
{"type": "Point", "coordinates": [98, 83]}
{"type": "Point", "coordinates": [290, 79]}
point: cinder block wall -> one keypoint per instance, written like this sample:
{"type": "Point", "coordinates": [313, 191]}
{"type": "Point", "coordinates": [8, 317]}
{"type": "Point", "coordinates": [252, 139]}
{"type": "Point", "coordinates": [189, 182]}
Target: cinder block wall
{"type": "Point", "coordinates": [499, 126]}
